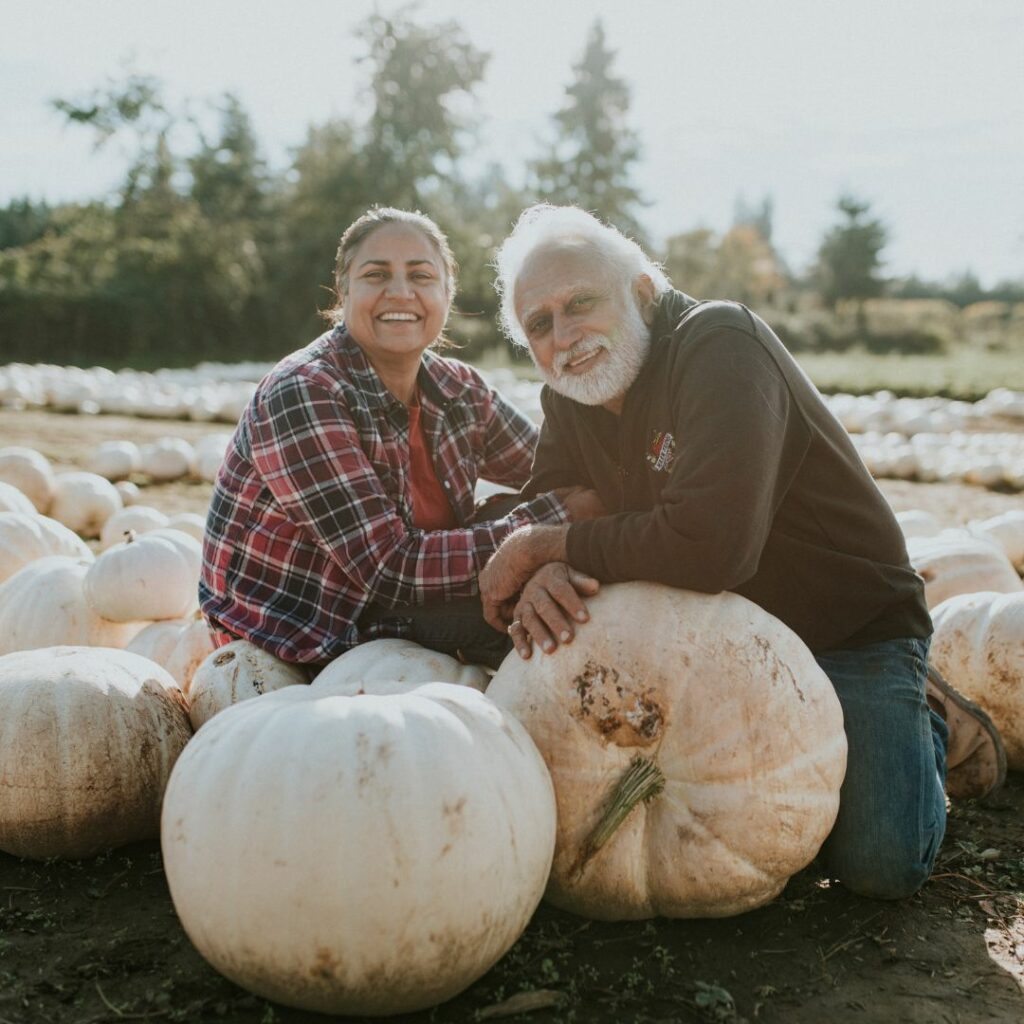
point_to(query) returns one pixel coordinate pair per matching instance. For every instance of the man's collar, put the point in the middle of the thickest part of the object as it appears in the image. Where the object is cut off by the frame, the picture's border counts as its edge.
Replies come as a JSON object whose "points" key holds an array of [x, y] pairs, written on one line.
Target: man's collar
{"points": [[671, 307]]}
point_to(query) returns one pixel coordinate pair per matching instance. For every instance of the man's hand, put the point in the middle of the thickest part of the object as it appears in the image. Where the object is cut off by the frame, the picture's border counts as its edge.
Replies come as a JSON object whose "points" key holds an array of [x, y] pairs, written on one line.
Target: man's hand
{"points": [[520, 555], [551, 601]]}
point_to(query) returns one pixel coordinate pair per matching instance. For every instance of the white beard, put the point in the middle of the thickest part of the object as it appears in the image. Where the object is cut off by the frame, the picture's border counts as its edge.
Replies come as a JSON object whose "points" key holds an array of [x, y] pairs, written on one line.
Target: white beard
{"points": [[626, 350]]}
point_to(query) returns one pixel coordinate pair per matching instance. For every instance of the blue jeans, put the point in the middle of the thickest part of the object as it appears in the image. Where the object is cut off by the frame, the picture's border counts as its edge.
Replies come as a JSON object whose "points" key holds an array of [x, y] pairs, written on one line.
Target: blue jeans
{"points": [[892, 805]]}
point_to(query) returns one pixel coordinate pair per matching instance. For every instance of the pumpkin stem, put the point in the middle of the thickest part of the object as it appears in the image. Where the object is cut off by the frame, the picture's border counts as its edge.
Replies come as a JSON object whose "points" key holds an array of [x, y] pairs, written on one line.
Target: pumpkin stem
{"points": [[642, 780]]}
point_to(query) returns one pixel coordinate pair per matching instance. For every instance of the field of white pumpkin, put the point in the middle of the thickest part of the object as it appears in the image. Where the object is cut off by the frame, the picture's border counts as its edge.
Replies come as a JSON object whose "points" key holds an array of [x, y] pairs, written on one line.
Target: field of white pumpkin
{"points": [[376, 807]]}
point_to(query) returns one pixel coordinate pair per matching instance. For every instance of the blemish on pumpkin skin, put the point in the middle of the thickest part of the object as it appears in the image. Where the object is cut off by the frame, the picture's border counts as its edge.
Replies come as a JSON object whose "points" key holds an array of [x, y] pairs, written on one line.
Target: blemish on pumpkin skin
{"points": [[685, 834], [455, 808], [613, 709], [773, 665], [325, 966]]}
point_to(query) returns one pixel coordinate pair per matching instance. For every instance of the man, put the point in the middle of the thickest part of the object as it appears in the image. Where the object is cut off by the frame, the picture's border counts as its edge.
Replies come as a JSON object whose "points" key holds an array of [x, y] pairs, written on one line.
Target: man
{"points": [[721, 468]]}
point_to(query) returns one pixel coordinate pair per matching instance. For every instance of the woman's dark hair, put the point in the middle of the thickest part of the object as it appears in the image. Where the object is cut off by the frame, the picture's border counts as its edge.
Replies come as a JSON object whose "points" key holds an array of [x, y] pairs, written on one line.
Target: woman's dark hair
{"points": [[359, 230]]}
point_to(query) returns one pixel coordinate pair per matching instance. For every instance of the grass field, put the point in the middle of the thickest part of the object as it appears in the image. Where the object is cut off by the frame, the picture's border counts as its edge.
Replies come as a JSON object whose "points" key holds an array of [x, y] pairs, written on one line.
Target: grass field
{"points": [[963, 373]]}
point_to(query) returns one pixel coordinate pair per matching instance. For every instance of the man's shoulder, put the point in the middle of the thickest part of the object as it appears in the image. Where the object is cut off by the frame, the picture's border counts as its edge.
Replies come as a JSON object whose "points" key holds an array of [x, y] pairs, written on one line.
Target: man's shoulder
{"points": [[713, 314]]}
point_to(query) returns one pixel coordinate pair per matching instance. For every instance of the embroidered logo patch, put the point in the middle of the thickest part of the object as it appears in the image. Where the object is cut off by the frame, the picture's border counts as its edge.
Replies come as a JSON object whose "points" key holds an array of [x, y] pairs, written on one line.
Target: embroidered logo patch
{"points": [[662, 451]]}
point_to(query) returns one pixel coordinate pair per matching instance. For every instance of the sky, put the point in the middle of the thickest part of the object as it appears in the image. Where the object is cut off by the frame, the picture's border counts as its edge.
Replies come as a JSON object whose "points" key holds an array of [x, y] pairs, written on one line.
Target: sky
{"points": [[916, 106]]}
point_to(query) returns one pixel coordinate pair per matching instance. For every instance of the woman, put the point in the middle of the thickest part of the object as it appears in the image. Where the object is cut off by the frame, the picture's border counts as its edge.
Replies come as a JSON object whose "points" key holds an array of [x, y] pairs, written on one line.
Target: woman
{"points": [[344, 508]]}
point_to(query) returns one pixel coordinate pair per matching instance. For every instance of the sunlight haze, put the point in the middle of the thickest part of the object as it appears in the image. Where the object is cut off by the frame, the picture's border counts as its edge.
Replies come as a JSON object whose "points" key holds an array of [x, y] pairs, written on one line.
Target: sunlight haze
{"points": [[916, 107]]}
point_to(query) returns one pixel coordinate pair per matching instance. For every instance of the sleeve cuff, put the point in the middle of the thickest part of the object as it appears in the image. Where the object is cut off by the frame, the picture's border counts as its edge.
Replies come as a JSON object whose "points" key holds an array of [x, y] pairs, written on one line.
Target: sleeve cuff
{"points": [[547, 510]]}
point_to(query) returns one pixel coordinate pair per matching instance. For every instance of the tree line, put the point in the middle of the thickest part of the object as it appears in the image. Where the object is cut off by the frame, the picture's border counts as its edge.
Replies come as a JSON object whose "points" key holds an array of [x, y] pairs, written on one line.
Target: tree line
{"points": [[207, 252]]}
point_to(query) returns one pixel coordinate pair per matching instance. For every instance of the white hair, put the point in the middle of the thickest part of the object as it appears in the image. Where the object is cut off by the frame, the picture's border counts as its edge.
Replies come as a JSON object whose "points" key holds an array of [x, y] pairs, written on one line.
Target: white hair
{"points": [[545, 224]]}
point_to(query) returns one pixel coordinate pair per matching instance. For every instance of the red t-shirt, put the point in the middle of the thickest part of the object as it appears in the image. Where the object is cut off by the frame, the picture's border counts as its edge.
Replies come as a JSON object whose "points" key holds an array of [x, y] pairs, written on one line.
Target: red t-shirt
{"points": [[431, 509]]}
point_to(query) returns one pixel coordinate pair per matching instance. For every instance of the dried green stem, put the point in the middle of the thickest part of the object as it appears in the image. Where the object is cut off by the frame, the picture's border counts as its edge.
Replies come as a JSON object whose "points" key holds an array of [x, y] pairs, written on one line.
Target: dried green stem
{"points": [[640, 781]]}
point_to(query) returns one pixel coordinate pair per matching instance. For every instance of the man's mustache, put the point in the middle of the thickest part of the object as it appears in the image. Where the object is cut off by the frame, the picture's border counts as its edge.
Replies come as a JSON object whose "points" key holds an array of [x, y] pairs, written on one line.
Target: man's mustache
{"points": [[584, 347]]}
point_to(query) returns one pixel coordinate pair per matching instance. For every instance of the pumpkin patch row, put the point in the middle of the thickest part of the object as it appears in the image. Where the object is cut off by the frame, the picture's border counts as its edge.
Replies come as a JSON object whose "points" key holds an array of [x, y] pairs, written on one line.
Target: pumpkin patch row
{"points": [[219, 392], [990, 459]]}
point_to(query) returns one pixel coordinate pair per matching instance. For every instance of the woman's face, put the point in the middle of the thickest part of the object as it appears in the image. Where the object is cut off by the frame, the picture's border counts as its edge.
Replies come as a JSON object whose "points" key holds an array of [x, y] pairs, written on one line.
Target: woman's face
{"points": [[398, 295]]}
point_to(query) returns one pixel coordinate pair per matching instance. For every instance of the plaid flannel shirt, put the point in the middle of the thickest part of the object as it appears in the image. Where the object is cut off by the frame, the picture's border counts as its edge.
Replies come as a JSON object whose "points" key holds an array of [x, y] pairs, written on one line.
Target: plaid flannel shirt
{"points": [[311, 515]]}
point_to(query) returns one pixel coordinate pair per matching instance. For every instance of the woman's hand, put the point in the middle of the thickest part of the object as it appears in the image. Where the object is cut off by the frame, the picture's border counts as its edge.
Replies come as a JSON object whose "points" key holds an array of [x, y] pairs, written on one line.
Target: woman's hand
{"points": [[549, 605]]}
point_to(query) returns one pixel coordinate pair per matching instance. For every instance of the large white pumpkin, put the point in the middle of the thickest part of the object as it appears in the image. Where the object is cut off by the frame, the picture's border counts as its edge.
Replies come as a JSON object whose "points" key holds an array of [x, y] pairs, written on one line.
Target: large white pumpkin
{"points": [[954, 562], [83, 502], [138, 518], [713, 699], [235, 672], [26, 537], [978, 646], [30, 471], [88, 737], [389, 849], [398, 661], [13, 500], [147, 577], [188, 547], [43, 605]]}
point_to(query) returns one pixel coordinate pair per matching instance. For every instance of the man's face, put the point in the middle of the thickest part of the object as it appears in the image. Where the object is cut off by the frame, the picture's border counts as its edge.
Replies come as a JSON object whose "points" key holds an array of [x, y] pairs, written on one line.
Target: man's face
{"points": [[585, 331]]}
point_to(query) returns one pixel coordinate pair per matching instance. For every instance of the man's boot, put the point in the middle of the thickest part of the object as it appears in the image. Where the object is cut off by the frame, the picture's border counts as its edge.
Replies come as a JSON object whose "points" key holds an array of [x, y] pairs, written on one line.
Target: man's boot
{"points": [[975, 755]]}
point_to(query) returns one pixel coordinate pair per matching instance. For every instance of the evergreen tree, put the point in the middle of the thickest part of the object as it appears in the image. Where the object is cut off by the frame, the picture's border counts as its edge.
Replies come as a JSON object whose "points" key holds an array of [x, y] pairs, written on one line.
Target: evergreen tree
{"points": [[755, 215], [230, 179], [23, 221], [849, 258], [420, 74], [590, 162]]}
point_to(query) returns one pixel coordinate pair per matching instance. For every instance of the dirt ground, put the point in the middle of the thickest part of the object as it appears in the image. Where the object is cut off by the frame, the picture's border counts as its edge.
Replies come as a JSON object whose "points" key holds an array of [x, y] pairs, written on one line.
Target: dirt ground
{"points": [[98, 941]]}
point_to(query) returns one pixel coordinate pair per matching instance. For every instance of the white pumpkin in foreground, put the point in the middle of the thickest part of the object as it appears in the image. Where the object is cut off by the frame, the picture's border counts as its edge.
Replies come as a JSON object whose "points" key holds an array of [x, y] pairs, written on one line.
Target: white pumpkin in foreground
{"points": [[188, 547], [398, 661], [13, 500], [954, 562], [83, 502], [27, 537], [714, 701], [145, 577], [235, 672], [88, 737], [30, 471], [978, 645], [393, 847], [44, 605], [138, 518]]}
